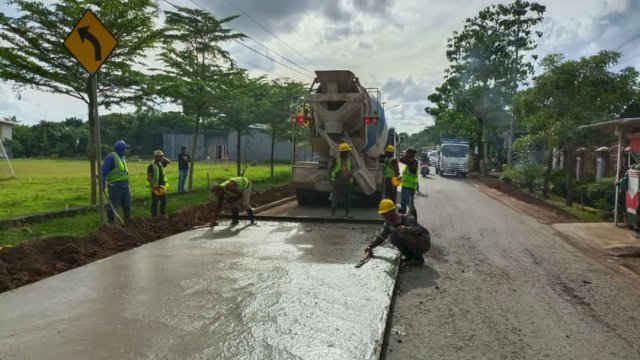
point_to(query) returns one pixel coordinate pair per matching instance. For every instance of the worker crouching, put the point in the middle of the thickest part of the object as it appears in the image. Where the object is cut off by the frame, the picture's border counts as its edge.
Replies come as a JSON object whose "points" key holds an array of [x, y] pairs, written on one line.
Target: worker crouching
{"points": [[404, 232], [237, 192]]}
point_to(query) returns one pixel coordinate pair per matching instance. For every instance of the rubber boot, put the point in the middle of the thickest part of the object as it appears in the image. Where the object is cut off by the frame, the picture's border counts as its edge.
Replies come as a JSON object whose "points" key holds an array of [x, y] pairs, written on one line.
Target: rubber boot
{"points": [[235, 215], [252, 218]]}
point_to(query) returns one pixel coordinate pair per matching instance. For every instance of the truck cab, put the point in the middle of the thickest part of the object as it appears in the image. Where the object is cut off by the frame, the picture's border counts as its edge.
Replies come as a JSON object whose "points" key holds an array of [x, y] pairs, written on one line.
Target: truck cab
{"points": [[453, 157]]}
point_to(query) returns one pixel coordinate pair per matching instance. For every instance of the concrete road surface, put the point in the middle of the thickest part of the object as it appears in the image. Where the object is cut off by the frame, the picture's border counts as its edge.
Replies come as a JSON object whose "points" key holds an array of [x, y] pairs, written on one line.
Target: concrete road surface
{"points": [[500, 285], [272, 291]]}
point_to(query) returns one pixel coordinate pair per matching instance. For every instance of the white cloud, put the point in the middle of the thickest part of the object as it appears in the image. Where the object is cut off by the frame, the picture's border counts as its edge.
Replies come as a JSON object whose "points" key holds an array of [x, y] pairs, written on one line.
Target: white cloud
{"points": [[395, 45]]}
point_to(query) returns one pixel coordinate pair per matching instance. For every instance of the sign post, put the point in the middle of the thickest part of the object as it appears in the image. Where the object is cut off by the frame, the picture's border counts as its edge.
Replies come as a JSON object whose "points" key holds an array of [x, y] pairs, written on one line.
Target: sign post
{"points": [[91, 43]]}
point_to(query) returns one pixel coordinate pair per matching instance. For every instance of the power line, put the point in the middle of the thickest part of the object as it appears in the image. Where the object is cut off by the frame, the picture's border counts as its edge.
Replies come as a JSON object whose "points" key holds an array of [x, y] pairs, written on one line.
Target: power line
{"points": [[627, 42], [264, 46], [271, 33]]}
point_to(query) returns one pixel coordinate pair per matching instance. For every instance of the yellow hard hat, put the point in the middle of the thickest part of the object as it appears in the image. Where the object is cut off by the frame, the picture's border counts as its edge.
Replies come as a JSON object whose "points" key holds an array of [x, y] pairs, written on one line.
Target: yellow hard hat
{"points": [[395, 181], [390, 148], [385, 206], [159, 191], [344, 147]]}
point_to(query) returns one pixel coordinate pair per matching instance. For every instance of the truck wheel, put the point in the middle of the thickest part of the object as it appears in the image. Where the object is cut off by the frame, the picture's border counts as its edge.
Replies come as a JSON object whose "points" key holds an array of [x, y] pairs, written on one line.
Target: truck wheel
{"points": [[463, 174], [305, 197], [371, 200]]}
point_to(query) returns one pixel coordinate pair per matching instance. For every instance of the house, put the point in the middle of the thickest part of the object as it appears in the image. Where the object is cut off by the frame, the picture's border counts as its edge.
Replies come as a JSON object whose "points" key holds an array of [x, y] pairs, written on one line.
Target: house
{"points": [[221, 146], [6, 128]]}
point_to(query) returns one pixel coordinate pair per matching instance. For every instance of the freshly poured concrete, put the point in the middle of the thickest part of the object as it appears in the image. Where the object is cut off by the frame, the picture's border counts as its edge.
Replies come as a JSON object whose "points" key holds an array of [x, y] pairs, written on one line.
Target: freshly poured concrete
{"points": [[272, 291]]}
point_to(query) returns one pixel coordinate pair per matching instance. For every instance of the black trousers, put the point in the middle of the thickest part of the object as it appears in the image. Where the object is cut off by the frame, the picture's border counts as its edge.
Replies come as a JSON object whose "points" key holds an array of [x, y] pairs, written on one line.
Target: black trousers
{"points": [[390, 191], [154, 204]]}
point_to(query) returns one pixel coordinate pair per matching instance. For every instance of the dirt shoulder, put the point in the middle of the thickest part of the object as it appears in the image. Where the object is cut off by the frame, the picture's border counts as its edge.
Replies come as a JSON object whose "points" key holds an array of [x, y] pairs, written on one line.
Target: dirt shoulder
{"points": [[40, 258], [522, 201], [613, 247]]}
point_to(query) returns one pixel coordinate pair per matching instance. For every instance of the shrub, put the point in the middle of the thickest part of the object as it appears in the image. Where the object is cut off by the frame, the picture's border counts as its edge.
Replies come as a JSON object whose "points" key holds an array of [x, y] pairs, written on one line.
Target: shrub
{"points": [[524, 175], [557, 182], [600, 194]]}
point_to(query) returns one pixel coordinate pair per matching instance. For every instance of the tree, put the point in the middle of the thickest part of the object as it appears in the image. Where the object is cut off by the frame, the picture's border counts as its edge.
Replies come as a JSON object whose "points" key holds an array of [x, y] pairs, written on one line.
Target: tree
{"points": [[276, 113], [487, 61], [242, 100], [193, 57], [32, 54], [573, 93]]}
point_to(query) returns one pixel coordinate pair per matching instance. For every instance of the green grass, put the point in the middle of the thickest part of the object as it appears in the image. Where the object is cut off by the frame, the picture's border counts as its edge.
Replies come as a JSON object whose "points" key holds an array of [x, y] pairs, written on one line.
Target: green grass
{"points": [[587, 214], [47, 185]]}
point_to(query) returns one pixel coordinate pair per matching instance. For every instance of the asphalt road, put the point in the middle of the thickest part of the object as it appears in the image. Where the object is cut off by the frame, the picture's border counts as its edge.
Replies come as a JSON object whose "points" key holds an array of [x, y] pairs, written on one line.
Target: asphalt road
{"points": [[500, 285]]}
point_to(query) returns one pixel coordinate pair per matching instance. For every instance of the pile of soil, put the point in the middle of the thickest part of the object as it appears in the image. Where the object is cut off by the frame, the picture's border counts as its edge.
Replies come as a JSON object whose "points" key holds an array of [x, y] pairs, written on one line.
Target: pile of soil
{"points": [[559, 215], [40, 258]]}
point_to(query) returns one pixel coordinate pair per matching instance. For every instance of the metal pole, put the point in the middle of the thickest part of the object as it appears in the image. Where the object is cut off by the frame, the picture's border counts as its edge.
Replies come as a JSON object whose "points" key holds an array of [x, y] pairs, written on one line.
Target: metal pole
{"points": [[94, 109], [619, 163], [13, 174]]}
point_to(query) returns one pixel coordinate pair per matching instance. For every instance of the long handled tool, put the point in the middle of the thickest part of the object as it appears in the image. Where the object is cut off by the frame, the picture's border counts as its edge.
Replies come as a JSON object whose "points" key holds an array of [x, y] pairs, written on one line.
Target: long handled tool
{"points": [[363, 261], [112, 207]]}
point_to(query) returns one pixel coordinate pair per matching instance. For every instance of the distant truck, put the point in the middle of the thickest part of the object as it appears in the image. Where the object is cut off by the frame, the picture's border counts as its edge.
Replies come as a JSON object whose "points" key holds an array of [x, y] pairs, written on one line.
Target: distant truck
{"points": [[453, 157], [338, 109]]}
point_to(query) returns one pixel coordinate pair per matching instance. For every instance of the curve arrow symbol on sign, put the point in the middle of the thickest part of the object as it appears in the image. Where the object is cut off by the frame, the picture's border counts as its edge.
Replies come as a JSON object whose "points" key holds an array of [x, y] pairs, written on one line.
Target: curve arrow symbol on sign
{"points": [[86, 35]]}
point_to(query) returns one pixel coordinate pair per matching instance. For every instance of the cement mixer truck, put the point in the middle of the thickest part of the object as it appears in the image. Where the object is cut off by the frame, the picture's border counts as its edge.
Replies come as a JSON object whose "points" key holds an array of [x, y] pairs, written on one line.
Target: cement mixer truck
{"points": [[339, 109]]}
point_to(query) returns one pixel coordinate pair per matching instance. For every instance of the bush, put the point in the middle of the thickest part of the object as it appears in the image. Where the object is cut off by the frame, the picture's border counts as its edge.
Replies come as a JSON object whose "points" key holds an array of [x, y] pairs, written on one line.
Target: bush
{"points": [[525, 175], [600, 194], [557, 181]]}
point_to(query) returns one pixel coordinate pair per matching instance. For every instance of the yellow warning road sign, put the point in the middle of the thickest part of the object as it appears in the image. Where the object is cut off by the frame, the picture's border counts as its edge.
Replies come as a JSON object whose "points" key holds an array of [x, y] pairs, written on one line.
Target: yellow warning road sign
{"points": [[90, 42]]}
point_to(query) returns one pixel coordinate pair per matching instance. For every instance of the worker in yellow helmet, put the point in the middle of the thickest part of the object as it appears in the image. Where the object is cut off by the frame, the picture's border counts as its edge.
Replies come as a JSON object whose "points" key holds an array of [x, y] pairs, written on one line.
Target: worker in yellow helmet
{"points": [[157, 183], [412, 239], [341, 175], [391, 172]]}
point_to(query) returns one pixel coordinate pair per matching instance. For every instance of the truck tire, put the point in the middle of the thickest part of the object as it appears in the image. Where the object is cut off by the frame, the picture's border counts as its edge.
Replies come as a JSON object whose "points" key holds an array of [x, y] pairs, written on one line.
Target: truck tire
{"points": [[305, 197], [372, 200], [463, 174]]}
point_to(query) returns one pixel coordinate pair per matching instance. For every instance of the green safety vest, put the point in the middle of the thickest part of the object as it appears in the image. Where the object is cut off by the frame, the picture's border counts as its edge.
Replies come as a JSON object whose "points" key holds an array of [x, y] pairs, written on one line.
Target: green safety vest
{"points": [[242, 182], [389, 171], [156, 178], [338, 167], [120, 172], [409, 180]]}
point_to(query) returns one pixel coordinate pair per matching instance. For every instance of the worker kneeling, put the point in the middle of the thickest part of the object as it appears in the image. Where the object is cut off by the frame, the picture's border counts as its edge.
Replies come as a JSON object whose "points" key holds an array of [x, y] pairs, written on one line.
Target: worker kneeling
{"points": [[235, 191], [411, 238]]}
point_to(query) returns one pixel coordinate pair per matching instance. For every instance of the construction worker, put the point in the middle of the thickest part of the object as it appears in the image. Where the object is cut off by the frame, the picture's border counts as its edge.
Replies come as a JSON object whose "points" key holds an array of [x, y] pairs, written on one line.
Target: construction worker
{"points": [[157, 183], [411, 238], [235, 190], [391, 174], [409, 182], [183, 167], [115, 177], [342, 180]]}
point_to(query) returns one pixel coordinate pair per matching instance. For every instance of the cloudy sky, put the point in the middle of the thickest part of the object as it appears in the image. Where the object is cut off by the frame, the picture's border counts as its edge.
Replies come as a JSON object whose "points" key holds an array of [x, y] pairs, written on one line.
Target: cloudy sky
{"points": [[395, 45]]}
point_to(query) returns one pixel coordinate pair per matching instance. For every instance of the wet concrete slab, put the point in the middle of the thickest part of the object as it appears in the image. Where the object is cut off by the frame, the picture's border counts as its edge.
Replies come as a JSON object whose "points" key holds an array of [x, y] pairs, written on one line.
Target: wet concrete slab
{"points": [[272, 291], [293, 209]]}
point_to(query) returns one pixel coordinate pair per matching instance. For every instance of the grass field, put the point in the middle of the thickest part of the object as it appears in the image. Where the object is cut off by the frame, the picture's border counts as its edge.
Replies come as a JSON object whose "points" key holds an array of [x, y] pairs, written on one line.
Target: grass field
{"points": [[47, 185]]}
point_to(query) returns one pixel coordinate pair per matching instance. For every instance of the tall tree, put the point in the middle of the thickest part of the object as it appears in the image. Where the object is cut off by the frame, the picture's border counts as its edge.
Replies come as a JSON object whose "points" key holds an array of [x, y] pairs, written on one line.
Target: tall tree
{"points": [[573, 93], [487, 61], [242, 100], [33, 56], [194, 61], [276, 114]]}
